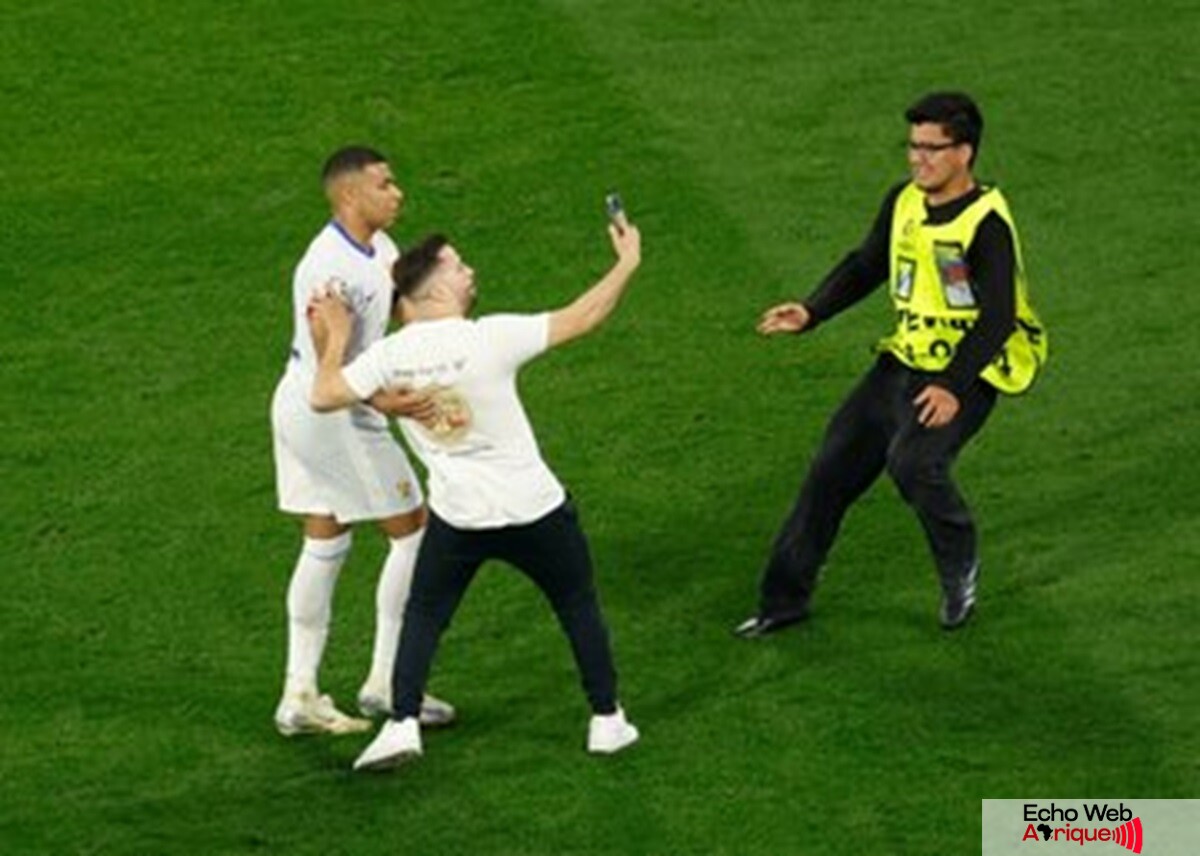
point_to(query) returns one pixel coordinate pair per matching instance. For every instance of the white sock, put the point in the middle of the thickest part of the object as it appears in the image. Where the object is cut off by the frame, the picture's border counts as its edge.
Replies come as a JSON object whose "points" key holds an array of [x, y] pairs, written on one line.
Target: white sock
{"points": [[309, 602], [390, 598]]}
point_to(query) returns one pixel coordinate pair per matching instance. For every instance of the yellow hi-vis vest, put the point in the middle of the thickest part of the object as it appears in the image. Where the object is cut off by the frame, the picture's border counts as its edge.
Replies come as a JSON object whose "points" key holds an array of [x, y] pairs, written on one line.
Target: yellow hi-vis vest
{"points": [[931, 290]]}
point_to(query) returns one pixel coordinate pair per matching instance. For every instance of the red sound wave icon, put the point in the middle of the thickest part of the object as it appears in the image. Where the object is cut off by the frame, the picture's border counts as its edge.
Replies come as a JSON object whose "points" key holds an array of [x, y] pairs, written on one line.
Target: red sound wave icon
{"points": [[1129, 835]]}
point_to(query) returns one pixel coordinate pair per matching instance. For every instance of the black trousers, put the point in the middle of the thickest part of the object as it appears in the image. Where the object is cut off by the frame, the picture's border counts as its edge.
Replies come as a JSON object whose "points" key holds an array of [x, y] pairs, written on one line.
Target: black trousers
{"points": [[876, 428], [552, 551]]}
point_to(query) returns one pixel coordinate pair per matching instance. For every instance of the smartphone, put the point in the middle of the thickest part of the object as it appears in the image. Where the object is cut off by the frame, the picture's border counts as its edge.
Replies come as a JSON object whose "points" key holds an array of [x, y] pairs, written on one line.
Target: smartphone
{"points": [[616, 210]]}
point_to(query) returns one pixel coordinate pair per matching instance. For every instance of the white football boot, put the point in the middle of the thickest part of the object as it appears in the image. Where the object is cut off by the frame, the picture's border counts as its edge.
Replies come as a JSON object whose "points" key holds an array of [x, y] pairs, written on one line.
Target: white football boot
{"points": [[395, 744], [611, 733], [375, 701], [309, 713]]}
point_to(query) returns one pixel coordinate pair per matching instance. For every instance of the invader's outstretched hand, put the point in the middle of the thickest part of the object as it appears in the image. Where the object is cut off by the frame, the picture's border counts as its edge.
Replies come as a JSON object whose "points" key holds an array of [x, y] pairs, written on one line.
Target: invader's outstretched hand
{"points": [[402, 402], [627, 244]]}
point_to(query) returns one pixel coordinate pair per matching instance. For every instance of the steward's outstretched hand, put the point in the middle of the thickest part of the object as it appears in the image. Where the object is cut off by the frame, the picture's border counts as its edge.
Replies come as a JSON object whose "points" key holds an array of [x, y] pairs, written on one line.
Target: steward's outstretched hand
{"points": [[784, 318]]}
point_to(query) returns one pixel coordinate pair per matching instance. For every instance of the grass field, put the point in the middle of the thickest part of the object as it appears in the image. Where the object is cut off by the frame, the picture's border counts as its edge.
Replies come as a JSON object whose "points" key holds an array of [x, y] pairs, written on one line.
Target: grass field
{"points": [[159, 170]]}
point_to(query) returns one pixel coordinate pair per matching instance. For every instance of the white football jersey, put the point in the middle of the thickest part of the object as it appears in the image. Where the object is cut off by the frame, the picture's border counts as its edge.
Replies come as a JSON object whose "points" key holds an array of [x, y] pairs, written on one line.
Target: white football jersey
{"points": [[364, 277]]}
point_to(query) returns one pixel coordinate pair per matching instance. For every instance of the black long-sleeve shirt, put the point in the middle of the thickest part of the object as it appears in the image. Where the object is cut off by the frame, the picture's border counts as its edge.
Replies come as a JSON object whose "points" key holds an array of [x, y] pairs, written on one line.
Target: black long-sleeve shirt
{"points": [[991, 263]]}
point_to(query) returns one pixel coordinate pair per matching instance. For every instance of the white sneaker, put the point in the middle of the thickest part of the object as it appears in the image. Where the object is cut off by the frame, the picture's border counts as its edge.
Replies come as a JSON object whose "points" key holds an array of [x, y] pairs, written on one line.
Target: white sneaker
{"points": [[436, 713], [309, 713], [609, 734], [375, 702], [395, 744]]}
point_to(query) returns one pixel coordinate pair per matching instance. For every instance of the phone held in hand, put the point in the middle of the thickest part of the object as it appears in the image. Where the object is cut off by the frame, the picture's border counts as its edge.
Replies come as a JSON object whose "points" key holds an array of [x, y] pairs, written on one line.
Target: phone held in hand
{"points": [[616, 211]]}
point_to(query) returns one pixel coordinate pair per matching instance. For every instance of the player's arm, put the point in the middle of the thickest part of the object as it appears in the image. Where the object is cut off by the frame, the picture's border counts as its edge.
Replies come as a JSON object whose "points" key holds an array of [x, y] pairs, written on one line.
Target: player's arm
{"points": [[588, 311], [330, 323]]}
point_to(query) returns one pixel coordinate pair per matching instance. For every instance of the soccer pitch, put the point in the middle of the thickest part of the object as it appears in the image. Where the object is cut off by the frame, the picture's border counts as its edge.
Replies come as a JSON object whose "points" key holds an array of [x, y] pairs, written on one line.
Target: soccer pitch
{"points": [[160, 181]]}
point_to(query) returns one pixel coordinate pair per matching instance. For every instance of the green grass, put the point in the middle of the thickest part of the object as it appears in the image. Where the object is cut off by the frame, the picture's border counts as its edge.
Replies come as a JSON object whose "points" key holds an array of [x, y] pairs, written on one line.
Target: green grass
{"points": [[159, 183]]}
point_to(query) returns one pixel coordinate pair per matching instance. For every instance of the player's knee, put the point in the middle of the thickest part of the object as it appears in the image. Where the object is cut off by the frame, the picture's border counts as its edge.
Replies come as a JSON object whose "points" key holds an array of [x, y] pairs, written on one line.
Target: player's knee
{"points": [[323, 528], [403, 525]]}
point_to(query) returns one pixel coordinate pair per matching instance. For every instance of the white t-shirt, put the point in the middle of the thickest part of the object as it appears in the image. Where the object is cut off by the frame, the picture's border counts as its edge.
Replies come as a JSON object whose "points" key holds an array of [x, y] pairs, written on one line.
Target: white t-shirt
{"points": [[485, 469], [366, 276]]}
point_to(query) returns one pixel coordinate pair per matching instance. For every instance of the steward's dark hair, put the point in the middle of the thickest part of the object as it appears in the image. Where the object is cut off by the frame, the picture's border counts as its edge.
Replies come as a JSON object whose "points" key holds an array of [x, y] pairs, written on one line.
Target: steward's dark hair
{"points": [[347, 160], [956, 112], [415, 265]]}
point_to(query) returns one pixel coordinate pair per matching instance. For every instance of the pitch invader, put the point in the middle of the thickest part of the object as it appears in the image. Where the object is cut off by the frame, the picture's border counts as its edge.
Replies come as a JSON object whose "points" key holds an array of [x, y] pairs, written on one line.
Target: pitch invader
{"points": [[492, 496], [337, 469]]}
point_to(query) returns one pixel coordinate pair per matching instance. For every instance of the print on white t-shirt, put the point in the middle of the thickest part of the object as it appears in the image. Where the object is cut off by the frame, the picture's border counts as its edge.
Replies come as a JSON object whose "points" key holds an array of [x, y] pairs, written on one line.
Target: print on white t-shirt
{"points": [[485, 468]]}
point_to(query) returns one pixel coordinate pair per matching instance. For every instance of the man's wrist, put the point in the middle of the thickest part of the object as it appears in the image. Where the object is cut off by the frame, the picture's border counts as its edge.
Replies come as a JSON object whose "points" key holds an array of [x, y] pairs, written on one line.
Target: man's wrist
{"points": [[336, 345], [813, 318], [952, 385]]}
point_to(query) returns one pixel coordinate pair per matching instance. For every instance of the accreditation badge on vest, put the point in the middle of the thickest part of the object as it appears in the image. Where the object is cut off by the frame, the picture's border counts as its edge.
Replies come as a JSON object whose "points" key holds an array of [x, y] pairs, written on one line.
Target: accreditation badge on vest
{"points": [[951, 261], [935, 302]]}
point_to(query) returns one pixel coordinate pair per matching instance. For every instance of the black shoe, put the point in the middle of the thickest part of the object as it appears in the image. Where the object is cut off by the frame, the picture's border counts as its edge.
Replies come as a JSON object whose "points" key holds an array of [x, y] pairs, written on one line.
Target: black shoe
{"points": [[760, 625], [958, 603]]}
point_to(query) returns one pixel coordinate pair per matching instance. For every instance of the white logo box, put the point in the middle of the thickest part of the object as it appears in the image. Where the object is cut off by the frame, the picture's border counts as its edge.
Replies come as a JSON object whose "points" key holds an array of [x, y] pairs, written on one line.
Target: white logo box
{"points": [[1091, 827]]}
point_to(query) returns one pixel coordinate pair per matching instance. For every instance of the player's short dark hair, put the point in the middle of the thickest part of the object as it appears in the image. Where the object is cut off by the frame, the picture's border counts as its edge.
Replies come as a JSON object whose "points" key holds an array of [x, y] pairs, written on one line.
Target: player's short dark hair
{"points": [[415, 265], [347, 160], [956, 112]]}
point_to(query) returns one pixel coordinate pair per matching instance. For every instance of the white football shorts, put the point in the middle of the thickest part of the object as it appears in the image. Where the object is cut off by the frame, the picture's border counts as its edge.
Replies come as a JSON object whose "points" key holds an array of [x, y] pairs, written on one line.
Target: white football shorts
{"points": [[336, 464]]}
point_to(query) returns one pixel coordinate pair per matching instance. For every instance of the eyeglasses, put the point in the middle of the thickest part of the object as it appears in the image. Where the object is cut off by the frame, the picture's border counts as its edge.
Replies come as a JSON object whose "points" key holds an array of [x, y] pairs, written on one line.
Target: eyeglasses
{"points": [[929, 148]]}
